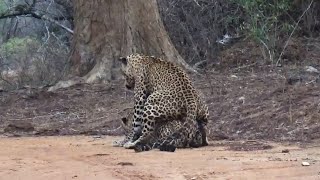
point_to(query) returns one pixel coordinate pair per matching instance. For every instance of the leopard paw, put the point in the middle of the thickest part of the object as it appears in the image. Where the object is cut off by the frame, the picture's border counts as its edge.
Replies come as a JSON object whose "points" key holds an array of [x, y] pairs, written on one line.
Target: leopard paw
{"points": [[129, 145], [138, 147]]}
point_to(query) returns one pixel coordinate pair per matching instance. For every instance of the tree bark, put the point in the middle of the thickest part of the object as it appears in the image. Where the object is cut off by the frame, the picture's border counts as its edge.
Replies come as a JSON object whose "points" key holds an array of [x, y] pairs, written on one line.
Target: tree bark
{"points": [[106, 30]]}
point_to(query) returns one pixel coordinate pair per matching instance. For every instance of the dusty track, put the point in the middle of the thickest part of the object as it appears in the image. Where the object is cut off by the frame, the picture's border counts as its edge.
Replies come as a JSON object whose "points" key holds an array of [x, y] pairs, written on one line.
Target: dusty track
{"points": [[83, 157]]}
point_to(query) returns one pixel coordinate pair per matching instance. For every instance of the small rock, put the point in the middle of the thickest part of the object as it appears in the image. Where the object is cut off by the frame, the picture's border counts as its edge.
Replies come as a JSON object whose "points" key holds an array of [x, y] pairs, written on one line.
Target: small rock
{"points": [[311, 69], [242, 98], [225, 40], [234, 76], [193, 178], [285, 151], [305, 163]]}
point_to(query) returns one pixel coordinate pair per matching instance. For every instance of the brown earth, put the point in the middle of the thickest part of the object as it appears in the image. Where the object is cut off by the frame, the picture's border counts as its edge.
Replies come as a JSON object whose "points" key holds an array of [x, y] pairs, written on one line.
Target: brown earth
{"points": [[83, 157], [247, 98], [247, 101], [260, 104]]}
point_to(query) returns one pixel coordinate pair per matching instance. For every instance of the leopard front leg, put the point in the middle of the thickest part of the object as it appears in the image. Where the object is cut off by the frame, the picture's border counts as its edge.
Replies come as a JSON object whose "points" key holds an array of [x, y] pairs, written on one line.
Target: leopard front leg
{"points": [[140, 98], [148, 119], [156, 108], [151, 144]]}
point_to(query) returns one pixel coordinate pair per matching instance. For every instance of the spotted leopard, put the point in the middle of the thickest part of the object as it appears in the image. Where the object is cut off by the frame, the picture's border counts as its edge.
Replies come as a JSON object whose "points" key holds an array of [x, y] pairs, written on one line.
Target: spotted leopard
{"points": [[163, 131], [162, 91]]}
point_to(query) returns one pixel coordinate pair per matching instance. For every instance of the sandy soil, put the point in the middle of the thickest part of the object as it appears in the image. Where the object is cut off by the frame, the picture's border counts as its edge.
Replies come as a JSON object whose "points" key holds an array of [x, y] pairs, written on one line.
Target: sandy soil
{"points": [[85, 157], [247, 99]]}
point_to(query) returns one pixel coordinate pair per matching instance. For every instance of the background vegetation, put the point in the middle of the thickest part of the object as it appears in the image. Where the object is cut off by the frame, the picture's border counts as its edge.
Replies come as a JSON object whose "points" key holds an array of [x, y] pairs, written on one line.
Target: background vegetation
{"points": [[34, 51]]}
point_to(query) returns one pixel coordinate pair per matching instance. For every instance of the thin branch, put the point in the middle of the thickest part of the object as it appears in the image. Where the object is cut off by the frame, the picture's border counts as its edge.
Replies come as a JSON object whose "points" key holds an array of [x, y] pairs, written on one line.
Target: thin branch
{"points": [[266, 46], [36, 15], [294, 29], [13, 14], [29, 11]]}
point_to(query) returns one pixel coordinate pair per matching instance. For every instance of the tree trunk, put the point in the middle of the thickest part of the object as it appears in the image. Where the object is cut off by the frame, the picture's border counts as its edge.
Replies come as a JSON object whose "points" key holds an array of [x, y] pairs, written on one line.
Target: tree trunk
{"points": [[106, 30]]}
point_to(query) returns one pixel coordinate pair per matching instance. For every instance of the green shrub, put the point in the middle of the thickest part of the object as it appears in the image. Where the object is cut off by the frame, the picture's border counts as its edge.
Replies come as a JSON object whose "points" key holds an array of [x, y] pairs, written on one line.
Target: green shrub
{"points": [[267, 22], [34, 62], [16, 47]]}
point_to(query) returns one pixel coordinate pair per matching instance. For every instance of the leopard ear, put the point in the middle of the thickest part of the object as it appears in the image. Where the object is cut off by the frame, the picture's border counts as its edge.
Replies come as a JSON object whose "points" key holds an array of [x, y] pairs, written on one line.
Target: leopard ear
{"points": [[124, 120], [123, 60]]}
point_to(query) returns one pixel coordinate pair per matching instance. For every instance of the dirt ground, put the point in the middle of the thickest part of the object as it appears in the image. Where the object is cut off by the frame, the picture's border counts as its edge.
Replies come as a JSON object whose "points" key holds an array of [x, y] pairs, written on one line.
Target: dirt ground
{"points": [[247, 99], [255, 110], [243, 105], [85, 157]]}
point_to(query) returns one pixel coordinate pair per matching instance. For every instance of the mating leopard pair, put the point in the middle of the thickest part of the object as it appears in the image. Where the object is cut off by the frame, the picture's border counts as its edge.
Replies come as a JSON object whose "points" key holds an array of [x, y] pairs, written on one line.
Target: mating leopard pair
{"points": [[163, 97], [164, 136]]}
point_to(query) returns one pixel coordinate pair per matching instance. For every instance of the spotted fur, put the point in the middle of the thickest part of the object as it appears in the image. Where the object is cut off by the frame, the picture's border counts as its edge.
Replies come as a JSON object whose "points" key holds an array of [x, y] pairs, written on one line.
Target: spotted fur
{"points": [[162, 91], [164, 130]]}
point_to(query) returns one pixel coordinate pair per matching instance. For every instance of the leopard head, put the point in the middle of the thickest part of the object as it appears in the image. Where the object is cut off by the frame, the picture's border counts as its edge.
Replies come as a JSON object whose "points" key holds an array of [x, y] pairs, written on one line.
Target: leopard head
{"points": [[128, 72]]}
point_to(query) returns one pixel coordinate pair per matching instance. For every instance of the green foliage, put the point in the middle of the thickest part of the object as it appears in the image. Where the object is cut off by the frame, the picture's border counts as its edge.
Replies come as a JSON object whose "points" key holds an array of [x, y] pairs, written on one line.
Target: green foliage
{"points": [[3, 6], [18, 46], [35, 63], [267, 22]]}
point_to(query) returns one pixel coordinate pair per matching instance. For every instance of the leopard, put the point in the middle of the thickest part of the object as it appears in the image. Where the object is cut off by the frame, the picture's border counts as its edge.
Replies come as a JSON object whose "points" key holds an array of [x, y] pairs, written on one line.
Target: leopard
{"points": [[162, 90], [163, 130]]}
